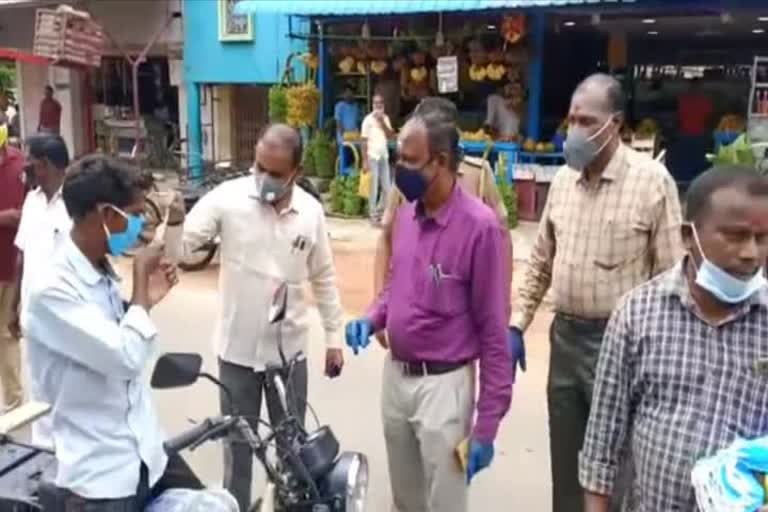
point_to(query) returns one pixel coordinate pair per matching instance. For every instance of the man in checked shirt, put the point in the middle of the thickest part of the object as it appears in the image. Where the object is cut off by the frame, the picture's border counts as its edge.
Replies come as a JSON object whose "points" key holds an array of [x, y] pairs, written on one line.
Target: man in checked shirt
{"points": [[612, 221], [683, 370]]}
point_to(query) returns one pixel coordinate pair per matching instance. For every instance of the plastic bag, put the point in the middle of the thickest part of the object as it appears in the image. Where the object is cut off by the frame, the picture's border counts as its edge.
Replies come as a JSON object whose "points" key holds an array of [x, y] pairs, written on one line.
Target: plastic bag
{"points": [[728, 480], [364, 188], [187, 500]]}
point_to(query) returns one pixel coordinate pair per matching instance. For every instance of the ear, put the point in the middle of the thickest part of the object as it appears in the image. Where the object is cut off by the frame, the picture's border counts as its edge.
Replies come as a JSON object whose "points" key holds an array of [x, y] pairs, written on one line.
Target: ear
{"points": [[686, 232]]}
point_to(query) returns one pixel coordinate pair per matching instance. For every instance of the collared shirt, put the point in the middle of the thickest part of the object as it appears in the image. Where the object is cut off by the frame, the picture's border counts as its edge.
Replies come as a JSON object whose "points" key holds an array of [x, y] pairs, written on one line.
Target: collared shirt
{"points": [[376, 142], [347, 115], [11, 198], [475, 177], [444, 300], [501, 117], [44, 227], [595, 243], [673, 388], [89, 355], [260, 249]]}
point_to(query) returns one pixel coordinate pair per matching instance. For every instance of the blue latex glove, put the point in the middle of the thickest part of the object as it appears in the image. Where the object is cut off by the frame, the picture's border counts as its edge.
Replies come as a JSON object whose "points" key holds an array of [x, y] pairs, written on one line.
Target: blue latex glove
{"points": [[358, 334], [517, 348], [480, 457]]}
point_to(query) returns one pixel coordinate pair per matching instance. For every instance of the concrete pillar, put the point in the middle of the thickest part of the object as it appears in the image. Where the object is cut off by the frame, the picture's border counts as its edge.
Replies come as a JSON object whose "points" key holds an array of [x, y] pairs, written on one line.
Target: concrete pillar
{"points": [[194, 130]]}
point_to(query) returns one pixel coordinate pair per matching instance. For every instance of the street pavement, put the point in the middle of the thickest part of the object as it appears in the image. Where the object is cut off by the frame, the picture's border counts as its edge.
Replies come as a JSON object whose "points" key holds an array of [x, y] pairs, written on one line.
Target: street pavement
{"points": [[519, 478]]}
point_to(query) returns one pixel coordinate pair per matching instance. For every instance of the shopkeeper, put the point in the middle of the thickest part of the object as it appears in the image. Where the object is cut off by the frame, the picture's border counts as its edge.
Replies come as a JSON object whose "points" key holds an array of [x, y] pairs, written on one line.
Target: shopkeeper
{"points": [[347, 115], [503, 108]]}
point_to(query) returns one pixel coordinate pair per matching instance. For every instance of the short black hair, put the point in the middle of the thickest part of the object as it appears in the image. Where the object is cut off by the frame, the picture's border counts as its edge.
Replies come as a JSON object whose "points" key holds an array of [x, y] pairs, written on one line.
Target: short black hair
{"points": [[700, 192], [290, 136], [98, 179], [48, 88], [614, 93], [51, 147]]}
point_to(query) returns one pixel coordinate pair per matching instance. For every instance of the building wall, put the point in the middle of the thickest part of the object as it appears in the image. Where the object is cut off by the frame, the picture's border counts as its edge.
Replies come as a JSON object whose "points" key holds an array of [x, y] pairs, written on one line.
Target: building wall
{"points": [[206, 59]]}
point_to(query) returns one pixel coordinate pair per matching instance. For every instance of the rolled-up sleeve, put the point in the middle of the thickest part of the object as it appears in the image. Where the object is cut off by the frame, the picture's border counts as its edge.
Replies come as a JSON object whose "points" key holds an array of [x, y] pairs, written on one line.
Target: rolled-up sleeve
{"points": [[610, 413], [203, 222], [490, 313], [80, 331]]}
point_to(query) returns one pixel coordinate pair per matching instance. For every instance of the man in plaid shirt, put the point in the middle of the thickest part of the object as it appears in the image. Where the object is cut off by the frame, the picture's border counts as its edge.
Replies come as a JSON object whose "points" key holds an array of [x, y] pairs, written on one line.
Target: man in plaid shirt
{"points": [[683, 370]]}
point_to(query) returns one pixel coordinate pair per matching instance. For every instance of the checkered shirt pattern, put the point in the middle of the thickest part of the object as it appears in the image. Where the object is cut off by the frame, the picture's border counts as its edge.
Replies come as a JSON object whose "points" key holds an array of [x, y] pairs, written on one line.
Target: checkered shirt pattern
{"points": [[673, 388], [597, 242]]}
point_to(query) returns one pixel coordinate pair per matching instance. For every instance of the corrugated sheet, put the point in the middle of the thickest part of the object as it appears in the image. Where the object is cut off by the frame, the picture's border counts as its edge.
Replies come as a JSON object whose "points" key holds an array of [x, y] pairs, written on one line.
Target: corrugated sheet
{"points": [[350, 7]]}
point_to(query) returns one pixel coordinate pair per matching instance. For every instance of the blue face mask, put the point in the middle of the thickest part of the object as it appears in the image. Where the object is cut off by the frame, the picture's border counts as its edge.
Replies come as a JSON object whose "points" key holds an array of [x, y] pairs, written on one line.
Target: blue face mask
{"points": [[411, 182], [722, 285], [119, 243]]}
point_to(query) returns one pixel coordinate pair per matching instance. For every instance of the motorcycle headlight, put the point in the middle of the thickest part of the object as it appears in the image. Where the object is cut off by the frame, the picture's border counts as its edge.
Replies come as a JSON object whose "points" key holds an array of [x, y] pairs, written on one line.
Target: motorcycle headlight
{"points": [[349, 481]]}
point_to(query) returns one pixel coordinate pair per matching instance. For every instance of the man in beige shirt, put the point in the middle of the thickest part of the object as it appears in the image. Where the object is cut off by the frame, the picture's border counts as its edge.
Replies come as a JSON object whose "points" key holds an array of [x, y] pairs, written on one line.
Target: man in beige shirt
{"points": [[611, 222]]}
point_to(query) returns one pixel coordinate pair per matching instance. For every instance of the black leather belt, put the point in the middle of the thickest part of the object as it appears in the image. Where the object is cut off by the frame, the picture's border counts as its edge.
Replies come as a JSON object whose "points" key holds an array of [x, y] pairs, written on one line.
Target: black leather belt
{"points": [[423, 369]]}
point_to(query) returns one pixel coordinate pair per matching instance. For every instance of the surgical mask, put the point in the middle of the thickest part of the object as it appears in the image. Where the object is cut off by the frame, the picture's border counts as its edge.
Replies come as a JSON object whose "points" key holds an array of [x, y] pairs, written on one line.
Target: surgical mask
{"points": [[119, 243], [411, 182], [722, 285], [271, 189], [580, 149]]}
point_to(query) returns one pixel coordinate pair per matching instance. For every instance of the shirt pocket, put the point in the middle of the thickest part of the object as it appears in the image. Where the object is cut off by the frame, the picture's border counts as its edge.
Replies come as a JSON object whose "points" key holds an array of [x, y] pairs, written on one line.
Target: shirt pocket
{"points": [[445, 296], [623, 240]]}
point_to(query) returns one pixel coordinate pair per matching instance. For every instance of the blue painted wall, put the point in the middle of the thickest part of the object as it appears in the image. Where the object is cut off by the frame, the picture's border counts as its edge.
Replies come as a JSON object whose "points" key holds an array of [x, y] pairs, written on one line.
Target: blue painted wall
{"points": [[208, 60]]}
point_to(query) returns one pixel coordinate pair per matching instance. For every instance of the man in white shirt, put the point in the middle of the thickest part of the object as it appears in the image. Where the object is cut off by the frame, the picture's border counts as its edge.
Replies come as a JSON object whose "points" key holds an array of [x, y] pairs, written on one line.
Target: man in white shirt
{"points": [[375, 133], [89, 348], [503, 111], [44, 226], [271, 232]]}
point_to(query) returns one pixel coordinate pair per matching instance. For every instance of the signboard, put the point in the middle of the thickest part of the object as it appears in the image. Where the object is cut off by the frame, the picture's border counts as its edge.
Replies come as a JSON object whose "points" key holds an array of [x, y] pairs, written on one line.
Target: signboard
{"points": [[447, 74]]}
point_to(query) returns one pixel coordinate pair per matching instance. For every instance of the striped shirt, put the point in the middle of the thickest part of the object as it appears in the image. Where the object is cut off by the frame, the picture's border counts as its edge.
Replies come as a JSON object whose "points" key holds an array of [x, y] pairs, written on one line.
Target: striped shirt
{"points": [[597, 242], [673, 388]]}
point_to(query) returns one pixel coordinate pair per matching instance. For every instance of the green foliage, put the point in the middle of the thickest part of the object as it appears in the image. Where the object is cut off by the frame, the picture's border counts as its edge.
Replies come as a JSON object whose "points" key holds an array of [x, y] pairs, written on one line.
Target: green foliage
{"points": [[278, 104], [344, 196], [509, 196], [7, 80], [323, 154], [739, 152]]}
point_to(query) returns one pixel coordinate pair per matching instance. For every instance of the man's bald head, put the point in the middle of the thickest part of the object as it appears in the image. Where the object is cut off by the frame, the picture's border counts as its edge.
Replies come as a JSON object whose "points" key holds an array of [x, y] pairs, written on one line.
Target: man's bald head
{"points": [[281, 136], [603, 90]]}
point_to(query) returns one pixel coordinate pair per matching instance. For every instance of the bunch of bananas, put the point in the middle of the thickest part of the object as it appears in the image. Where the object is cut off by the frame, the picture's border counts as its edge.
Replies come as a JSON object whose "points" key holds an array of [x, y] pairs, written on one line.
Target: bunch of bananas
{"points": [[346, 64], [351, 136], [477, 73], [379, 66], [310, 60], [731, 123], [303, 104], [478, 136], [495, 72], [419, 74]]}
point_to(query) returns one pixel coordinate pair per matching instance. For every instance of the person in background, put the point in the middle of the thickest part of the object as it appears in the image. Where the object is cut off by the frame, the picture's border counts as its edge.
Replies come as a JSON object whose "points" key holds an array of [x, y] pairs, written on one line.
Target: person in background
{"points": [[444, 308], [89, 349], [475, 177], [502, 115], [43, 230], [50, 113], [11, 199], [375, 134], [272, 233], [389, 89], [694, 111], [347, 114], [611, 222], [682, 368]]}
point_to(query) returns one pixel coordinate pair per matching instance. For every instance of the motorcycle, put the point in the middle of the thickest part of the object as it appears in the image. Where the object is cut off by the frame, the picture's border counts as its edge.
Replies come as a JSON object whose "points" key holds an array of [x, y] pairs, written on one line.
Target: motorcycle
{"points": [[310, 473]]}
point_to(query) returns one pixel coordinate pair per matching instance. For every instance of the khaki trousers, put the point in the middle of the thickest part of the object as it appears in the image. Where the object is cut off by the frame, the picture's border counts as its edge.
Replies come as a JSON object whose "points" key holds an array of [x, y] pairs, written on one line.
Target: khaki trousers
{"points": [[425, 418], [10, 355]]}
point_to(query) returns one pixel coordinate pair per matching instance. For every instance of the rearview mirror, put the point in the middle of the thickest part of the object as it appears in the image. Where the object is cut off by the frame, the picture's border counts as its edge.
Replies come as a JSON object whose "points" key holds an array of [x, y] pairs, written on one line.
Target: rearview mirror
{"points": [[279, 304], [175, 370]]}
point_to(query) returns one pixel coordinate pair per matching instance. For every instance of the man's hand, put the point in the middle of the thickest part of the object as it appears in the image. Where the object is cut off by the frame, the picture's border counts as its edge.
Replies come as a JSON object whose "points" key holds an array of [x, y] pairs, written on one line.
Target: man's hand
{"points": [[10, 217], [334, 362], [517, 348], [14, 324], [162, 280], [153, 276], [480, 457], [381, 337], [358, 334]]}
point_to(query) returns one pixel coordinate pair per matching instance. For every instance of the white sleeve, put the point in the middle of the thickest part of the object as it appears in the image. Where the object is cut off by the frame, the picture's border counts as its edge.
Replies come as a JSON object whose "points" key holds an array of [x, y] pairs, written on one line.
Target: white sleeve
{"points": [[203, 223], [21, 232], [365, 131], [80, 331], [322, 276]]}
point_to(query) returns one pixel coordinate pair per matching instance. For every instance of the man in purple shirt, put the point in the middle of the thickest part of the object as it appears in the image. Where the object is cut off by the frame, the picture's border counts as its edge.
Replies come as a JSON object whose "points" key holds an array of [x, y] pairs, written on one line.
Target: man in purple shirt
{"points": [[446, 305]]}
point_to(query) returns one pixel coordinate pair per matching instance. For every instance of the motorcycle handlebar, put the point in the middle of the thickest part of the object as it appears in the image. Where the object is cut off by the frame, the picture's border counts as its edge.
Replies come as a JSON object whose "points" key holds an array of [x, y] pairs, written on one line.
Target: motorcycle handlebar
{"points": [[188, 438]]}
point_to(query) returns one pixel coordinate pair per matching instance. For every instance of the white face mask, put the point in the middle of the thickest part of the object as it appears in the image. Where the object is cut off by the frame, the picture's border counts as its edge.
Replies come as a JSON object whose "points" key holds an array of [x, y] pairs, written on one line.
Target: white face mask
{"points": [[722, 285]]}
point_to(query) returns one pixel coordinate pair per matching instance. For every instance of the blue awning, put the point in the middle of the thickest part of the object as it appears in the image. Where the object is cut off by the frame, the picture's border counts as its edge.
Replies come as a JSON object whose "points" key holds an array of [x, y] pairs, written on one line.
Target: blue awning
{"points": [[356, 7]]}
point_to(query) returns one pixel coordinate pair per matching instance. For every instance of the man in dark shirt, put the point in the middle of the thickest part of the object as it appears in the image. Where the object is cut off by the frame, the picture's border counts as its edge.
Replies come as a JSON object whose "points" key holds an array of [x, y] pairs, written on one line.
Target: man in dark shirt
{"points": [[11, 199], [50, 113]]}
